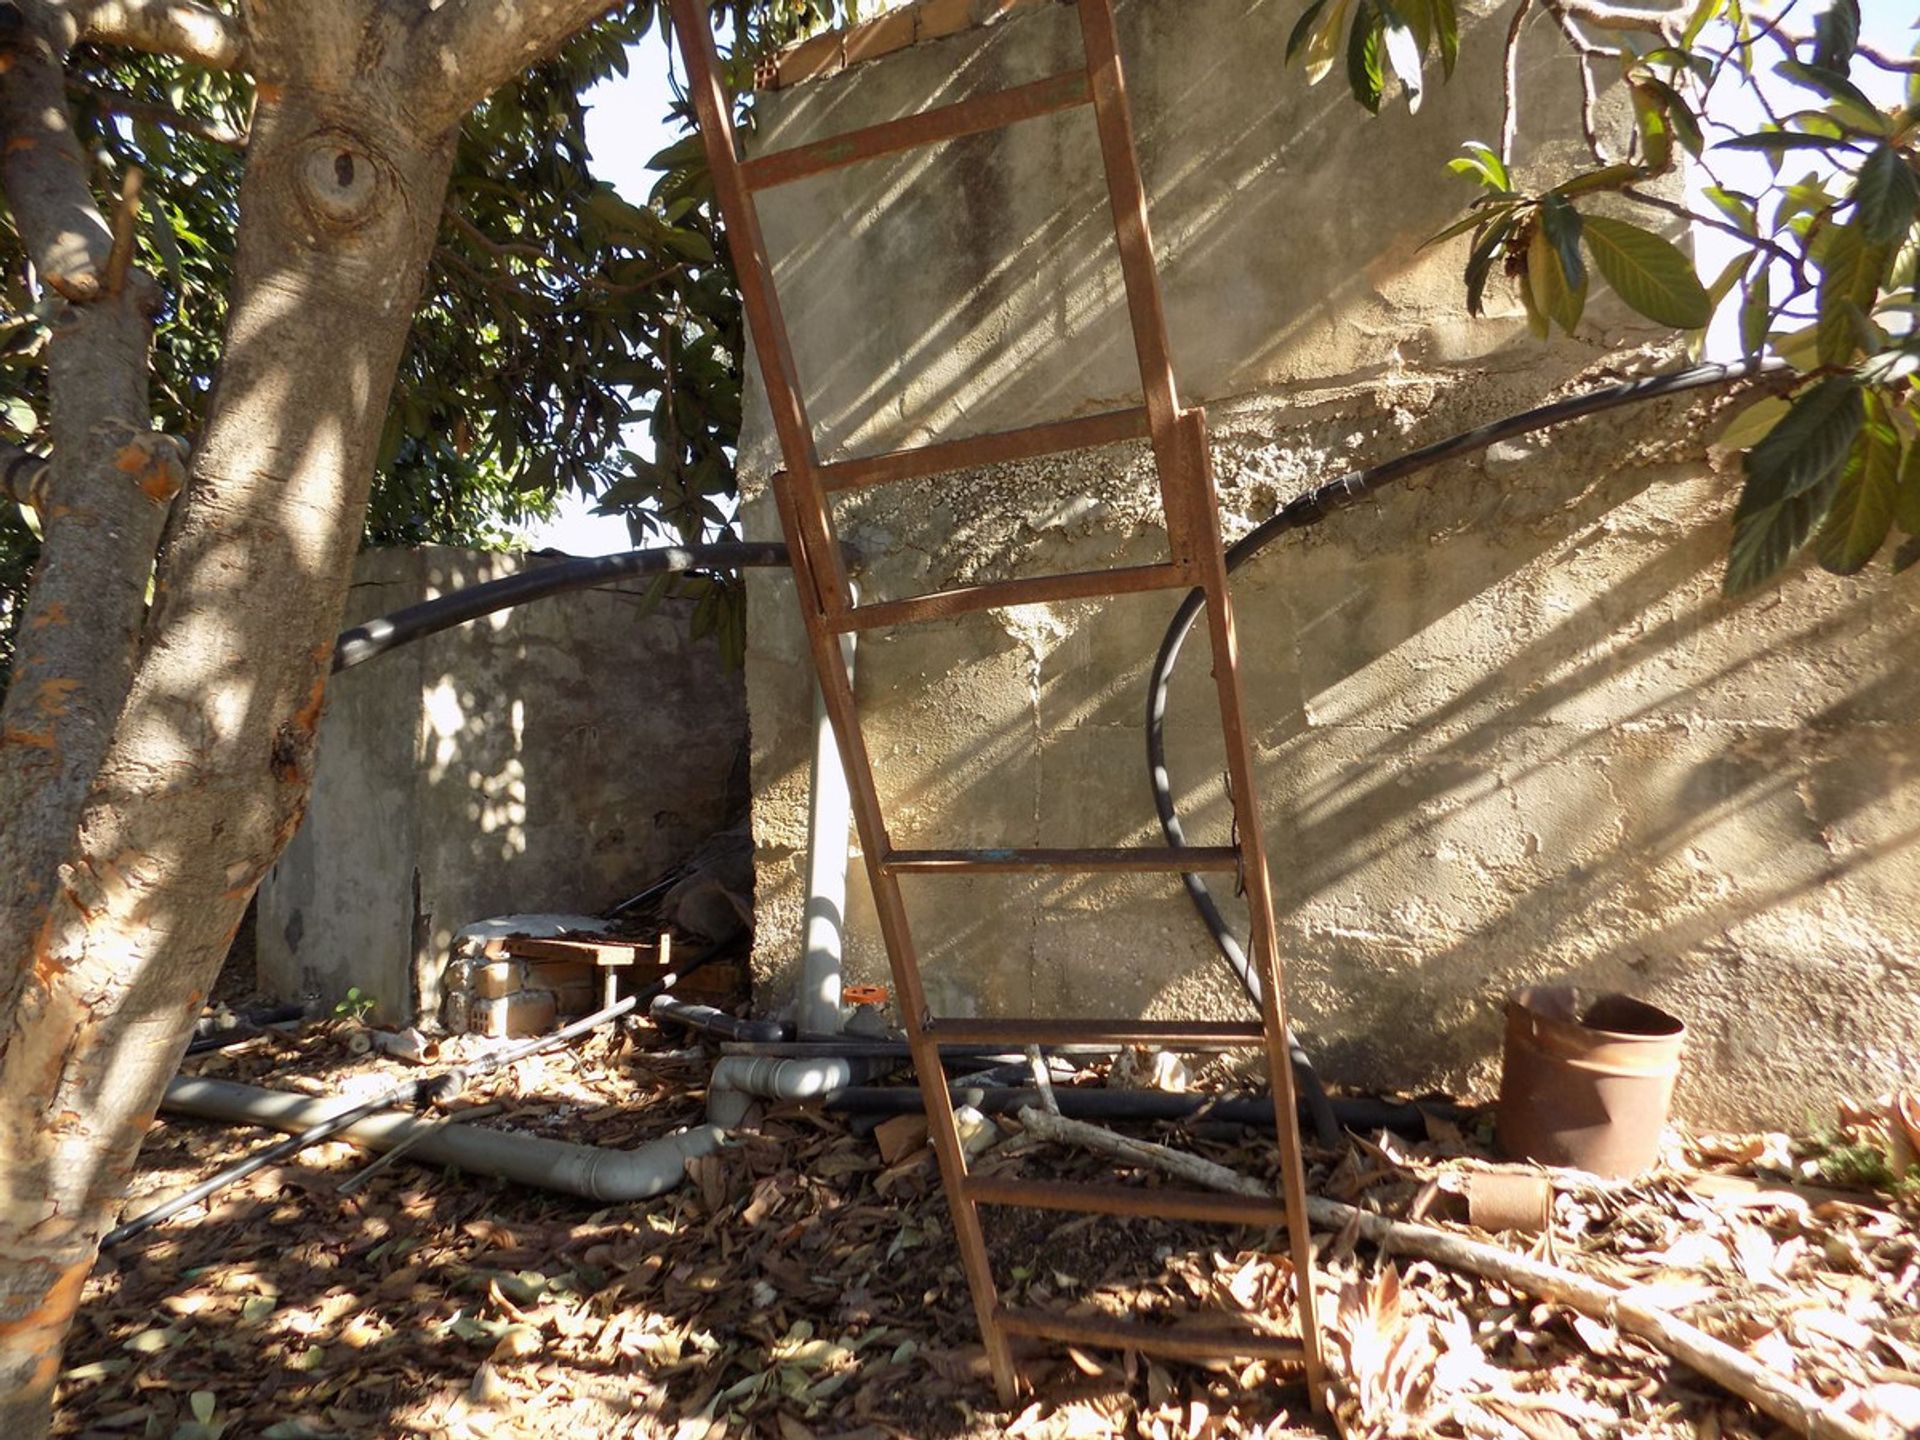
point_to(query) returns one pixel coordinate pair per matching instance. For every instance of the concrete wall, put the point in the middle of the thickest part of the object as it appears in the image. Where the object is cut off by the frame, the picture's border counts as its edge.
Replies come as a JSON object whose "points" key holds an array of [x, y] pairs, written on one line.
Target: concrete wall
{"points": [[1507, 730], [556, 757]]}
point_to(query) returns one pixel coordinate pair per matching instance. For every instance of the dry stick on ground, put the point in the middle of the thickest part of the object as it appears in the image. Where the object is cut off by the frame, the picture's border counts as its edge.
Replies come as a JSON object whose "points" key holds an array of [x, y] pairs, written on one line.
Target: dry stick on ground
{"points": [[1791, 1404]]}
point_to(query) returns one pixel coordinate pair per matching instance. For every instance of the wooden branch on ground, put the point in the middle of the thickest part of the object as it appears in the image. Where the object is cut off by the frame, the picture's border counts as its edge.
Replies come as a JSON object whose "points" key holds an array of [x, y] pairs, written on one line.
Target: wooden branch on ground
{"points": [[1767, 1390]]}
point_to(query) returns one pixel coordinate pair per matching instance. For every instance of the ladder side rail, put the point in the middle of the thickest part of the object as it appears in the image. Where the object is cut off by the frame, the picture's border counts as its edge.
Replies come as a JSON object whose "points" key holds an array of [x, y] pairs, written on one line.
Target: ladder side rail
{"points": [[692, 25], [1259, 889], [760, 299], [1146, 310]]}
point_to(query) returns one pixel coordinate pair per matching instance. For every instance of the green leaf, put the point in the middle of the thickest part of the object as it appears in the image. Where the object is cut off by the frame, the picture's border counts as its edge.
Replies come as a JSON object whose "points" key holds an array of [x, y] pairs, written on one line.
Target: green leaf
{"points": [[1756, 314], [1552, 293], [1850, 271], [1318, 51], [1906, 499], [1446, 30], [1364, 75], [1806, 448], [1403, 52], [1483, 161], [1836, 34], [1608, 177], [1752, 425], [1303, 29], [1650, 120], [1735, 205], [1704, 11], [1647, 272], [1561, 222], [1765, 537], [1850, 103], [1778, 142], [1885, 196], [1480, 261], [1861, 513]]}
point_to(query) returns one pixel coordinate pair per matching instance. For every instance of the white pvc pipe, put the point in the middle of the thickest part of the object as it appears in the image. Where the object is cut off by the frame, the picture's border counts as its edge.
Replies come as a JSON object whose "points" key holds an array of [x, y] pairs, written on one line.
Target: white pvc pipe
{"points": [[738, 1079], [823, 924], [587, 1171]]}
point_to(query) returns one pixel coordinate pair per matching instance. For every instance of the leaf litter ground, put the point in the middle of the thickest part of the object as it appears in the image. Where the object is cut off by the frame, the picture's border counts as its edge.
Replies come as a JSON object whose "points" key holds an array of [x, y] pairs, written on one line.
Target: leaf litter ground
{"points": [[801, 1286]]}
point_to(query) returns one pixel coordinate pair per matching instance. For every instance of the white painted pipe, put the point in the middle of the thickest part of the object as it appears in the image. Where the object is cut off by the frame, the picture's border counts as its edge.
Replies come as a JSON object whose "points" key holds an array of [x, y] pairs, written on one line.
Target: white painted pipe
{"points": [[823, 924], [737, 1080], [588, 1171]]}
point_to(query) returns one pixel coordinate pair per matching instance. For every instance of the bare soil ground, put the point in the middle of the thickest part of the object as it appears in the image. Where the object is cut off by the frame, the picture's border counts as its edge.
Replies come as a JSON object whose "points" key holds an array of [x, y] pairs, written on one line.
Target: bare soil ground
{"points": [[801, 1287]]}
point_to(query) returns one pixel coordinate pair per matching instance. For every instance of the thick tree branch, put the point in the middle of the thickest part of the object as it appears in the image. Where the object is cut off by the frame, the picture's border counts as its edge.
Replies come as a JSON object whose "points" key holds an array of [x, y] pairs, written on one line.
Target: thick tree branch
{"points": [[148, 113], [184, 29], [42, 167], [23, 476], [467, 49]]}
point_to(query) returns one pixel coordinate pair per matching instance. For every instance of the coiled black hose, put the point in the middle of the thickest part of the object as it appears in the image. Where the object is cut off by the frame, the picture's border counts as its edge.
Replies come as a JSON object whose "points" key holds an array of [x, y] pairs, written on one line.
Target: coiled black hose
{"points": [[1309, 509]]}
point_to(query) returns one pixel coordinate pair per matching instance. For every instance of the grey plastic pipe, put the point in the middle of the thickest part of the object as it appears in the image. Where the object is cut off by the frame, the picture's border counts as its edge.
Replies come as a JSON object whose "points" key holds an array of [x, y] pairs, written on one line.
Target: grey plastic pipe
{"points": [[829, 814], [588, 1171], [738, 1080]]}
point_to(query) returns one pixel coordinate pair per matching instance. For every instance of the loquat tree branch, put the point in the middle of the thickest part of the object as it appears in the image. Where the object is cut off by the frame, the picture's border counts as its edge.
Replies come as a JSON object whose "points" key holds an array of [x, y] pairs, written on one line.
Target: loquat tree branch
{"points": [[467, 49], [43, 169], [185, 29], [149, 113]]}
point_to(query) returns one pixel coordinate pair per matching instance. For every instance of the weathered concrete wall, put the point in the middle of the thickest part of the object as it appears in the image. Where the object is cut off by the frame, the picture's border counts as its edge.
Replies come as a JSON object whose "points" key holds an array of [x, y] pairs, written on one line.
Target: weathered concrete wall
{"points": [[554, 757], [1508, 731]]}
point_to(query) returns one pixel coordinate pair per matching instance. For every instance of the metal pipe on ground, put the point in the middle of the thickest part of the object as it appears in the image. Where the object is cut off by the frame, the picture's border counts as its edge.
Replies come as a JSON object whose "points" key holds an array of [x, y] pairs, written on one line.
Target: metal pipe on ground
{"points": [[588, 1171]]}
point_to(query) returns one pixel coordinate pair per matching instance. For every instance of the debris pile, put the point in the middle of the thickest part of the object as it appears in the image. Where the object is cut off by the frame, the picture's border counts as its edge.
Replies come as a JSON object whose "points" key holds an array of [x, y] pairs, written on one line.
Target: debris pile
{"points": [[804, 1284]]}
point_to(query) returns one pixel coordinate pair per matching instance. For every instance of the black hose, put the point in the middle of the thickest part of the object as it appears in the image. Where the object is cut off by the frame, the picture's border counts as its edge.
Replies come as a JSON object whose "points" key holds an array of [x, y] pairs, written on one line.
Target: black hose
{"points": [[376, 637], [1091, 1104], [1316, 505], [708, 1021], [417, 1092]]}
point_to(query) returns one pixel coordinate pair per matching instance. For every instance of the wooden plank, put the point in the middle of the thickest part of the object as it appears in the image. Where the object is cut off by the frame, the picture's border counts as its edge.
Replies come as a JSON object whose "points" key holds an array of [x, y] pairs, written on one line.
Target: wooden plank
{"points": [[1182, 1342], [1085, 433], [1039, 590], [992, 111], [1158, 1203], [593, 952], [965, 1030], [1128, 859]]}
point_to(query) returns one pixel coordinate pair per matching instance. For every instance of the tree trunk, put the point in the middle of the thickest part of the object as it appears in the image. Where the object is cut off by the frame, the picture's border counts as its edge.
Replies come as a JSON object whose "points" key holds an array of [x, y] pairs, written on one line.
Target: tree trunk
{"points": [[107, 491], [208, 771]]}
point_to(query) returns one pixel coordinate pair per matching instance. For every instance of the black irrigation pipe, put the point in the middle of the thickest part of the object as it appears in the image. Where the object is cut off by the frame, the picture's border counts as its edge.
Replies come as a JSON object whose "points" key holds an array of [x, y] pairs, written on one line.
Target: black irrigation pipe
{"points": [[1317, 505], [375, 637], [421, 1092]]}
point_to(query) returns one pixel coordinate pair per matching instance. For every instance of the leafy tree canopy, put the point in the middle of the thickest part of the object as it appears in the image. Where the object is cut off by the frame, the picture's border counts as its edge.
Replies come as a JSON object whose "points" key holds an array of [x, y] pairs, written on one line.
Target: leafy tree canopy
{"points": [[557, 314]]}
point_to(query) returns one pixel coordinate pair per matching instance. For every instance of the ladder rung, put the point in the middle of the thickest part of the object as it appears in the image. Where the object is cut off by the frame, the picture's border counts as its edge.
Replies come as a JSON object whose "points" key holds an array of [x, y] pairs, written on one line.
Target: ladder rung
{"points": [[962, 1030], [1157, 859], [1108, 428], [1200, 1205], [930, 127], [1040, 590], [1179, 1342]]}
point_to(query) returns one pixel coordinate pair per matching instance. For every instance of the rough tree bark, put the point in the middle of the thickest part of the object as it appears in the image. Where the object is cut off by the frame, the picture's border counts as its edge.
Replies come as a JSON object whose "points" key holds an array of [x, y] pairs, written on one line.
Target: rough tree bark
{"points": [[207, 767]]}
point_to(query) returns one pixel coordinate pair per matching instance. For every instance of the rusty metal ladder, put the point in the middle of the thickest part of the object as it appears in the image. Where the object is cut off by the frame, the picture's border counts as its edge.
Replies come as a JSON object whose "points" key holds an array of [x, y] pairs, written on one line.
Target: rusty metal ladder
{"points": [[1179, 440]]}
